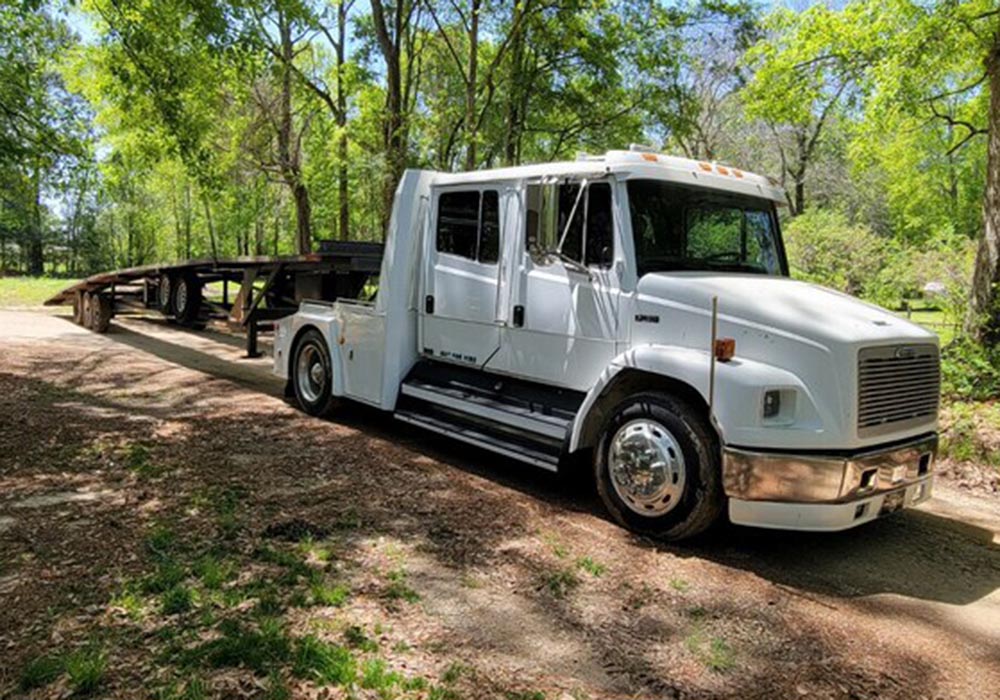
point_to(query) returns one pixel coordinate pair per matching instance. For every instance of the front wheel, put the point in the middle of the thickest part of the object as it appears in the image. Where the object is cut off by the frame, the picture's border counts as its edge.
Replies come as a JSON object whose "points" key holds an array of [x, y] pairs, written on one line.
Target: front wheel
{"points": [[312, 375], [657, 467]]}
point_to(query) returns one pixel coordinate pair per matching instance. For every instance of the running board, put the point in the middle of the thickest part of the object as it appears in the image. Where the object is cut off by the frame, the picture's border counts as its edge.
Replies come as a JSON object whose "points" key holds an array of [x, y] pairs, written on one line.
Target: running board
{"points": [[472, 436]]}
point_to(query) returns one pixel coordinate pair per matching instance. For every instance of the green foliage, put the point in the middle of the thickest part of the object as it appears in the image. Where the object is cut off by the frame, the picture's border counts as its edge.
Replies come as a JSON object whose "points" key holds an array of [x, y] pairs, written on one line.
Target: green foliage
{"points": [[241, 646], [561, 582], [970, 371], [825, 248], [176, 600], [594, 568], [398, 588]]}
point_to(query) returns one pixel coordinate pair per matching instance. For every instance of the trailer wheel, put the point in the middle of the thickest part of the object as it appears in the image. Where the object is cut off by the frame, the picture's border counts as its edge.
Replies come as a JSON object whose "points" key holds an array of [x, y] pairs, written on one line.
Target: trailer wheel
{"points": [[100, 312], [164, 294], [87, 313], [78, 308], [312, 375], [187, 301], [657, 467]]}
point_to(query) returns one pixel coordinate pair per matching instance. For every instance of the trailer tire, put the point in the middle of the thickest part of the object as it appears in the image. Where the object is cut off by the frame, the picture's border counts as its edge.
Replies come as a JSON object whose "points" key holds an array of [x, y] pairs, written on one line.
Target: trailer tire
{"points": [[78, 308], [165, 294], [100, 312], [187, 301], [311, 372], [657, 467], [87, 314]]}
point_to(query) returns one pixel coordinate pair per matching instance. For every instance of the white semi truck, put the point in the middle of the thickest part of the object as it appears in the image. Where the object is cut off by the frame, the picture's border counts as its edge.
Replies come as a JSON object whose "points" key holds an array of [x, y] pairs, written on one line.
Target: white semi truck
{"points": [[632, 311]]}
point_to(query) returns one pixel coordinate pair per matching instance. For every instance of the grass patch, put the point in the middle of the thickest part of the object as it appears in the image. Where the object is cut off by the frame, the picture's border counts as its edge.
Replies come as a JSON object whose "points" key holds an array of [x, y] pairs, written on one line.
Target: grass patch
{"points": [[714, 653], [168, 574], [561, 582], [160, 542], [323, 663], [453, 673], [137, 460], [85, 669], [679, 585], [524, 695], [213, 572], [356, 638], [398, 589], [259, 650], [29, 292], [375, 675], [177, 600], [592, 567], [40, 672], [326, 595]]}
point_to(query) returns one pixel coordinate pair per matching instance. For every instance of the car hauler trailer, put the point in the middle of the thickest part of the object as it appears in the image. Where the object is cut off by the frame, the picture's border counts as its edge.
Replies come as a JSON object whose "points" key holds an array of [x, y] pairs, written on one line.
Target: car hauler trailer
{"points": [[269, 287], [632, 312]]}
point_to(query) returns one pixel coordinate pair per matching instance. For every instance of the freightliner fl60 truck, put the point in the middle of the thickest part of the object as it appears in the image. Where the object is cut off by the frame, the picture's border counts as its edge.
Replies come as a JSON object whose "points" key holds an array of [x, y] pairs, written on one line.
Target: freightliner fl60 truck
{"points": [[632, 312]]}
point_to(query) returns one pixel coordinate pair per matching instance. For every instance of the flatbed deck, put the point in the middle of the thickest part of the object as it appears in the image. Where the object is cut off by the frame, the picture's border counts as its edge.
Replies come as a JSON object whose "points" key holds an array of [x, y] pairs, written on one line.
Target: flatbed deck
{"points": [[338, 269]]}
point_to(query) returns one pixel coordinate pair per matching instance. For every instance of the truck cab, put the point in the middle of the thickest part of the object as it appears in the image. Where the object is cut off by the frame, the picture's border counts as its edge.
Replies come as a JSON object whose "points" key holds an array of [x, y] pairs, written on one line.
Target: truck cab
{"points": [[633, 313]]}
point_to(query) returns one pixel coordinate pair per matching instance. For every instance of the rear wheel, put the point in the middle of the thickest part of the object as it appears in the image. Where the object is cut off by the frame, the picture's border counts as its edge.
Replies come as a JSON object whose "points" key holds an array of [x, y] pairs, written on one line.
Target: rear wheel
{"points": [[312, 375], [187, 301], [87, 313], [164, 294], [657, 467], [100, 312]]}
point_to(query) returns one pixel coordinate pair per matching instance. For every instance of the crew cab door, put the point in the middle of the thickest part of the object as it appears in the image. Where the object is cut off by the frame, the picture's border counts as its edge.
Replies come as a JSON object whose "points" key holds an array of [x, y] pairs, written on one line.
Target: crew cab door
{"points": [[461, 280], [563, 321]]}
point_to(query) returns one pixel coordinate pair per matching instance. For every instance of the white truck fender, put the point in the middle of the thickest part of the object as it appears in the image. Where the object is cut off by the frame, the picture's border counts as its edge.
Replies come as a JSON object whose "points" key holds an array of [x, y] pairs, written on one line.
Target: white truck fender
{"points": [[325, 319], [739, 385]]}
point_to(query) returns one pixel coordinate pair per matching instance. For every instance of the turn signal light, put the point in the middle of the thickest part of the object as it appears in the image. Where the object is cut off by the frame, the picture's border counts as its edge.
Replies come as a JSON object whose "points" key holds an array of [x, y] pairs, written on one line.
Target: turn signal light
{"points": [[725, 349]]}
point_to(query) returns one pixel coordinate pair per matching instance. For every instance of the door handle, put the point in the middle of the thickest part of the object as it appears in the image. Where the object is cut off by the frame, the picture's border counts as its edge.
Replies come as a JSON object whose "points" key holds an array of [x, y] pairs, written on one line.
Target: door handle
{"points": [[429, 304], [518, 316]]}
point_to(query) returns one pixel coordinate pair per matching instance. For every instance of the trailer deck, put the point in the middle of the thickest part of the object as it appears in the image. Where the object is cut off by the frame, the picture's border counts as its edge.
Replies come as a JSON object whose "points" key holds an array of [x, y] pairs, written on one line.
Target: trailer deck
{"points": [[176, 290]]}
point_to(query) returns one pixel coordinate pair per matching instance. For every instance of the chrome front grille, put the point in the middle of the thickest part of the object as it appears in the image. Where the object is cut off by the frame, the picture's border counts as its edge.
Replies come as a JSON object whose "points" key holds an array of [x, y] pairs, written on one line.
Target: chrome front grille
{"points": [[899, 386]]}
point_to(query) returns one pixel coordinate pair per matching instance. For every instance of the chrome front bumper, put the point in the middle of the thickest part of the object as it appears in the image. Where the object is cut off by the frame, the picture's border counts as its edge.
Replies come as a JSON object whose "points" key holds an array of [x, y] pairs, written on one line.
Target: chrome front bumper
{"points": [[816, 492]]}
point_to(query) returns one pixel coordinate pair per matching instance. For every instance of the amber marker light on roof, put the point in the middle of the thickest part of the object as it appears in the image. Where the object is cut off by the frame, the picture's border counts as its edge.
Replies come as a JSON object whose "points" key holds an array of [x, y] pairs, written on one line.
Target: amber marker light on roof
{"points": [[651, 157], [723, 170], [737, 173], [707, 167]]}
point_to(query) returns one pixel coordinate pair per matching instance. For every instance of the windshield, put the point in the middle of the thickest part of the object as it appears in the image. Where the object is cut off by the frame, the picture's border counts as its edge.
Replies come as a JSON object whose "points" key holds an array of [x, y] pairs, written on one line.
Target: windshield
{"points": [[685, 228]]}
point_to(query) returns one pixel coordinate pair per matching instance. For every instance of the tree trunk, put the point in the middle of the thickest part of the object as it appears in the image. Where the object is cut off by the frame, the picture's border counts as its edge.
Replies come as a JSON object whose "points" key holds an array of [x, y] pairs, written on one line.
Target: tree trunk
{"points": [[395, 144], [983, 320], [36, 251], [470, 88], [288, 154], [343, 205]]}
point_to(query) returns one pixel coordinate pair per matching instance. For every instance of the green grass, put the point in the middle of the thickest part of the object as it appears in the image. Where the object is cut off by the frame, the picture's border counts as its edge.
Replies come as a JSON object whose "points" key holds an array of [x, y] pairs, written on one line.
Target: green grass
{"points": [[176, 600], [561, 582], [40, 672], [398, 589], [594, 568], [29, 292], [714, 653], [322, 662], [85, 669]]}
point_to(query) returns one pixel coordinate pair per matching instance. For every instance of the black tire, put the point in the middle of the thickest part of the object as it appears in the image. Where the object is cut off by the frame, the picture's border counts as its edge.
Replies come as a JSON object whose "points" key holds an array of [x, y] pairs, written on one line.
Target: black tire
{"points": [[87, 313], [100, 313], [700, 500], [165, 294], [78, 308], [186, 300], [313, 394]]}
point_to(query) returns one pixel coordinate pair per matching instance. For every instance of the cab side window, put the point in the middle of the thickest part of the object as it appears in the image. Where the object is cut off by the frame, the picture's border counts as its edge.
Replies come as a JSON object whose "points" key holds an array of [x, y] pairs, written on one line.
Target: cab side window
{"points": [[587, 237], [468, 225]]}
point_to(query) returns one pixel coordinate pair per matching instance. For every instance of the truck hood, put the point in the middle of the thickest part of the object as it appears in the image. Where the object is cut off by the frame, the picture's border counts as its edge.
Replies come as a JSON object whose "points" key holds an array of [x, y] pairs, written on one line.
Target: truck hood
{"points": [[781, 306]]}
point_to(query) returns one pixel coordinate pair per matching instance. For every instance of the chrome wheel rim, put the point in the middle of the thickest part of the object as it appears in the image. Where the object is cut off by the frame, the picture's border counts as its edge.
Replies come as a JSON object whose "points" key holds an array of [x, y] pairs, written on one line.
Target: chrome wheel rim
{"points": [[646, 466], [181, 297], [311, 373]]}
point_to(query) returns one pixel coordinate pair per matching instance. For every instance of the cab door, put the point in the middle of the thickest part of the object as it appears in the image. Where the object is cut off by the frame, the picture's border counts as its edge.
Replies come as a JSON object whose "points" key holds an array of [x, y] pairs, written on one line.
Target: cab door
{"points": [[562, 326], [461, 280]]}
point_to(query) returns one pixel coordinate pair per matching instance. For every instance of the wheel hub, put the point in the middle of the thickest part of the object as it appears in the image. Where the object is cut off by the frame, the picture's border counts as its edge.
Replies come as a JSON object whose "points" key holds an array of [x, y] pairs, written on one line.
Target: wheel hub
{"points": [[647, 468], [311, 373]]}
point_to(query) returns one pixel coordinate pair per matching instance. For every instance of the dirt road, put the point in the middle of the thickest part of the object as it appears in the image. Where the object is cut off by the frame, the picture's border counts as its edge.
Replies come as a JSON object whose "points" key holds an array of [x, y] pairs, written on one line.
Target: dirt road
{"points": [[167, 516]]}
